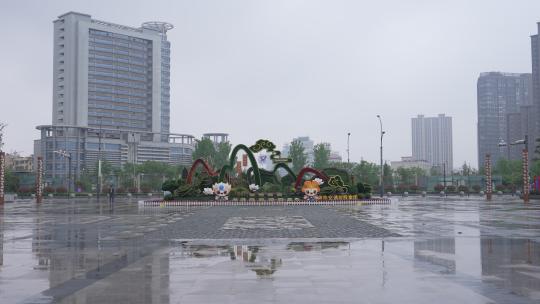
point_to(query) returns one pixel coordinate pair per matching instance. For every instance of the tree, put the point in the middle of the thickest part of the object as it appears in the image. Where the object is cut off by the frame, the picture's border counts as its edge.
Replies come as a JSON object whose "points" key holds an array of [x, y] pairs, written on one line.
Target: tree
{"points": [[510, 171], [11, 181], [366, 172], [205, 149], [222, 154], [466, 169], [298, 156], [388, 176], [153, 173], [535, 168], [405, 175], [321, 156]]}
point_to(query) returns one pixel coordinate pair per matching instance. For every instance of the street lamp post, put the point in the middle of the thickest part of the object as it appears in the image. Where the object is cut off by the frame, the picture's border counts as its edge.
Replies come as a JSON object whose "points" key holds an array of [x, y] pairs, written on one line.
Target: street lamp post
{"points": [[444, 176], [525, 163], [98, 169], [67, 155], [381, 180], [348, 137]]}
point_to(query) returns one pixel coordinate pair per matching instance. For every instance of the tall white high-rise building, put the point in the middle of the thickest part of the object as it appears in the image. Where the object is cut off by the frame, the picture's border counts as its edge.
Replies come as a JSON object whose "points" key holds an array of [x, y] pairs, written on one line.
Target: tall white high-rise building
{"points": [[111, 75], [432, 140], [111, 97]]}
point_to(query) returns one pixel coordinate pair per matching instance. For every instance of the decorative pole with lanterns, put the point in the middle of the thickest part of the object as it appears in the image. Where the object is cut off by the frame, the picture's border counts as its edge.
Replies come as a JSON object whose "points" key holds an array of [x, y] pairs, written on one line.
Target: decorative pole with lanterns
{"points": [[39, 180], [489, 183], [2, 173], [2, 164], [525, 174]]}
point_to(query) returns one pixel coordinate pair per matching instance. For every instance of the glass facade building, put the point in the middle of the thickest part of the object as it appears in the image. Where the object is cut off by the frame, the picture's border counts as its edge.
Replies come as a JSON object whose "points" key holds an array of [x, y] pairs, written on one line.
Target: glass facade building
{"points": [[111, 85], [502, 100]]}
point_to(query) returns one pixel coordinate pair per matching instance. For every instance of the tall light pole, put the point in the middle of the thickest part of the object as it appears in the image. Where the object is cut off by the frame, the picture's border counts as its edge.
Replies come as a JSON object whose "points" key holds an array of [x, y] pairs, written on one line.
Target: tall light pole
{"points": [[98, 169], [525, 163], [67, 155], [2, 164], [348, 137], [381, 180]]}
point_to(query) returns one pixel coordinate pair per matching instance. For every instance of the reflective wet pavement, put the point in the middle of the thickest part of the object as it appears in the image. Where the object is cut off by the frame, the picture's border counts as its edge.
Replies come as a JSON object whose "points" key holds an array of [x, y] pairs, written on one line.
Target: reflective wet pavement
{"points": [[414, 251]]}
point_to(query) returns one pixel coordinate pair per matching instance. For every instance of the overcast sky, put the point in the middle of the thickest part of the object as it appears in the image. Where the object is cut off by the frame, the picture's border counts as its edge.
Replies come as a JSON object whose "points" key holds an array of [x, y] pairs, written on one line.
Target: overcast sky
{"points": [[281, 69]]}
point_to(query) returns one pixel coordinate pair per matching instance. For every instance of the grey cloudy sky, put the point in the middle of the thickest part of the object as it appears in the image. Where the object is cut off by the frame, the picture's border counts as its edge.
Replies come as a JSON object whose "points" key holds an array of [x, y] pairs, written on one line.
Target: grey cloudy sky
{"points": [[283, 68]]}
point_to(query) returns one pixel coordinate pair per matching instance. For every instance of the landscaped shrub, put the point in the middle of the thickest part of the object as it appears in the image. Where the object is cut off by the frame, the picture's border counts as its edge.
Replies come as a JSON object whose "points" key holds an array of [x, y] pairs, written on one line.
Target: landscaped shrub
{"points": [[463, 188], [170, 185], [438, 188], [186, 190], [360, 188], [24, 190], [61, 189], [402, 188], [511, 188], [451, 188], [133, 190], [476, 188], [239, 192], [500, 187], [48, 190], [271, 188]]}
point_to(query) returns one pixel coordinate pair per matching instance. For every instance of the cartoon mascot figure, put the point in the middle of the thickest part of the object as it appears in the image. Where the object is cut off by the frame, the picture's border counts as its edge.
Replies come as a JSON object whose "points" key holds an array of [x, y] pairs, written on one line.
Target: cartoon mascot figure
{"points": [[221, 191], [311, 189]]}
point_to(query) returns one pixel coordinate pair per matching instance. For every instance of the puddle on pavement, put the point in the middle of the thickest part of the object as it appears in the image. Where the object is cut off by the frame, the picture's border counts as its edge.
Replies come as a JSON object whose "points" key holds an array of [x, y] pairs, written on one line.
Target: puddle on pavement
{"points": [[472, 256]]}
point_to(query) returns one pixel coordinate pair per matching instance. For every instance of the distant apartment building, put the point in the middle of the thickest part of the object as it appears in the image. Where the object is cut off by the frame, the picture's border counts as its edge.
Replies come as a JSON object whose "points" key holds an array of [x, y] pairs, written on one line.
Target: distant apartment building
{"points": [[217, 138], [504, 113], [334, 156], [18, 163], [111, 97], [409, 162], [308, 145], [432, 140]]}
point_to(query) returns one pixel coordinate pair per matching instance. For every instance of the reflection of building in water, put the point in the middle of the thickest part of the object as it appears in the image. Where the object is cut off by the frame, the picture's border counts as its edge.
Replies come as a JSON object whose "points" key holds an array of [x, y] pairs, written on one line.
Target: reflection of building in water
{"points": [[1, 235], [254, 257], [204, 251], [70, 250], [440, 252], [309, 246], [512, 264]]}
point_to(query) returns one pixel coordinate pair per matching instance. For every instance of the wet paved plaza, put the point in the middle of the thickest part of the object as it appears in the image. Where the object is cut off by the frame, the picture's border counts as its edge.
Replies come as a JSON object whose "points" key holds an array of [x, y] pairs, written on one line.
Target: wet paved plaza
{"points": [[413, 251]]}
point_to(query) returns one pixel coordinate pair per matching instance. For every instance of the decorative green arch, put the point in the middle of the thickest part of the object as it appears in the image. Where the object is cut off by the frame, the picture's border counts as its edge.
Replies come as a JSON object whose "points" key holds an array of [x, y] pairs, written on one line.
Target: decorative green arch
{"points": [[252, 160], [286, 167], [276, 167]]}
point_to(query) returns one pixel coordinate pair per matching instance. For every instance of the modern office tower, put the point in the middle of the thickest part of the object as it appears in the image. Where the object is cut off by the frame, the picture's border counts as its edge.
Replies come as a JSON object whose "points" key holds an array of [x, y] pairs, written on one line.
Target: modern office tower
{"points": [[111, 97], [432, 140], [503, 113], [535, 59]]}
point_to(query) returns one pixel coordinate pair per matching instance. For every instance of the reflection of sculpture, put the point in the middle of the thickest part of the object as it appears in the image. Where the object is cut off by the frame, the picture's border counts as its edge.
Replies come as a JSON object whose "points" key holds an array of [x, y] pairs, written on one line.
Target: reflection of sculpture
{"points": [[311, 189], [256, 261], [221, 190]]}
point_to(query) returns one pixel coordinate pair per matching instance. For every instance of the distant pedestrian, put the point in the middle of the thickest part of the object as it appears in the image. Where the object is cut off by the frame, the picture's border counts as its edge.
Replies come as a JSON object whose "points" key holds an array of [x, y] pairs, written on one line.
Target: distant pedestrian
{"points": [[111, 196]]}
